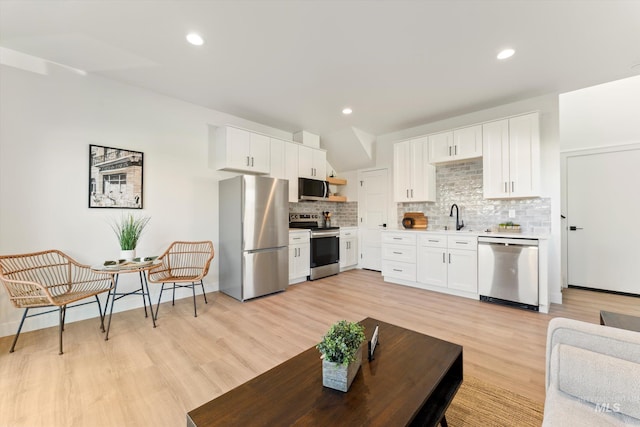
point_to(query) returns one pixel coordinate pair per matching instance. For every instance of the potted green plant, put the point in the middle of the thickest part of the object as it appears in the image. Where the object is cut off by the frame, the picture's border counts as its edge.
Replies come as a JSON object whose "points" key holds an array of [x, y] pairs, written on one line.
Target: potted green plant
{"points": [[128, 231], [341, 349]]}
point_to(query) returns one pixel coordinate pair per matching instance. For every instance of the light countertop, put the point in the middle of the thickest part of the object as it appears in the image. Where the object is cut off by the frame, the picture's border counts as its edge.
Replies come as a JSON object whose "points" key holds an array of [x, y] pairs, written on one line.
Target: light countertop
{"points": [[471, 232]]}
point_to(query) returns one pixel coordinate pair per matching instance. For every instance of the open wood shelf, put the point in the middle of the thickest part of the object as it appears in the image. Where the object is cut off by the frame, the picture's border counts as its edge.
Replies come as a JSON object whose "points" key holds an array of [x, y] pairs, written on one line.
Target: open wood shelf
{"points": [[333, 198], [336, 181]]}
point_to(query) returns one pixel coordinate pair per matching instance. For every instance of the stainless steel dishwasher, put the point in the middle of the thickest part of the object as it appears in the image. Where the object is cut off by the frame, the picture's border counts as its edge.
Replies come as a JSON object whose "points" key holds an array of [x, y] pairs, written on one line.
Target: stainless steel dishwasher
{"points": [[508, 271]]}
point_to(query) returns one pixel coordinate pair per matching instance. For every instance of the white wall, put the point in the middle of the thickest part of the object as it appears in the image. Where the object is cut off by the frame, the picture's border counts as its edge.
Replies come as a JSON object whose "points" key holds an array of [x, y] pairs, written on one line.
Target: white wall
{"points": [[550, 162], [600, 116], [46, 125]]}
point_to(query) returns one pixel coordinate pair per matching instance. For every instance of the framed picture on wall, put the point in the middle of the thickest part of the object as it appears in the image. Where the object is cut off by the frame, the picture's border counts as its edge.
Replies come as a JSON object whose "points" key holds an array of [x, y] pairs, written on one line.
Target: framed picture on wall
{"points": [[115, 178]]}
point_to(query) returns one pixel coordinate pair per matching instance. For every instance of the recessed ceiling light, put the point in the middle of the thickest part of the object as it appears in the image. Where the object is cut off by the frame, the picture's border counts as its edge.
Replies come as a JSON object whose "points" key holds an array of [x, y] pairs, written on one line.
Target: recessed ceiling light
{"points": [[347, 111], [195, 39], [506, 53]]}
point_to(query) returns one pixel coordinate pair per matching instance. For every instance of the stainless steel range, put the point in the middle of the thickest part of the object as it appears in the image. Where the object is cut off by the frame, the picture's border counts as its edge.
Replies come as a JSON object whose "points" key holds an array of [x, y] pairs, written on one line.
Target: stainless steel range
{"points": [[325, 245]]}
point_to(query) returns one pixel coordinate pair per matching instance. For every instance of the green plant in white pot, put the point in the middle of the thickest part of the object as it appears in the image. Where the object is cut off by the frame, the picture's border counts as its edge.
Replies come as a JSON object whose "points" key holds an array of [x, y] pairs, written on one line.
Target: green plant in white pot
{"points": [[128, 231], [341, 349]]}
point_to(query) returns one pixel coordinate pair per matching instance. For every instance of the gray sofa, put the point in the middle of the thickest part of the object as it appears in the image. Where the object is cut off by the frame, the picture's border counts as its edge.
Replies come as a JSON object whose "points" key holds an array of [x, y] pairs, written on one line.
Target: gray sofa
{"points": [[593, 375]]}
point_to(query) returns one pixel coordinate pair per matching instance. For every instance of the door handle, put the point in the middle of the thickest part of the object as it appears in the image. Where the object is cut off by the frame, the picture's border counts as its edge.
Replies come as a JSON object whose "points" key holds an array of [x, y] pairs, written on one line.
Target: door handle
{"points": [[248, 161], [574, 228], [449, 258]]}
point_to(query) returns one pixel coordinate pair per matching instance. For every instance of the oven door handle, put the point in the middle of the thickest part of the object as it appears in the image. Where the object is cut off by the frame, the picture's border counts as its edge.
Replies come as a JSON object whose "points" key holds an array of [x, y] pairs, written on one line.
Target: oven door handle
{"points": [[328, 233], [326, 189]]}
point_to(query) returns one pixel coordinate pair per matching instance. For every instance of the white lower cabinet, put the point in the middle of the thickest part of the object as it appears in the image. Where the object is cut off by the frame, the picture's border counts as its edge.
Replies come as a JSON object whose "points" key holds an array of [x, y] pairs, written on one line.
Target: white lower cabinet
{"points": [[299, 256], [348, 248], [448, 261], [441, 262], [432, 265], [399, 256]]}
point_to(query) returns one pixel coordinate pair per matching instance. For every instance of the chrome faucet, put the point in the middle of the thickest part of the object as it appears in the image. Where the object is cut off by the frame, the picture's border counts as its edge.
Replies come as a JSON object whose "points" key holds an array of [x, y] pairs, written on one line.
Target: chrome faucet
{"points": [[459, 224]]}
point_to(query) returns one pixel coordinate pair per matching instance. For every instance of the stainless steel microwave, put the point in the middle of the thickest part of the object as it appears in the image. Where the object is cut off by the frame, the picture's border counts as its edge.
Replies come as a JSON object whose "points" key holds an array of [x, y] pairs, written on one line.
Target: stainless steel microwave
{"points": [[312, 189]]}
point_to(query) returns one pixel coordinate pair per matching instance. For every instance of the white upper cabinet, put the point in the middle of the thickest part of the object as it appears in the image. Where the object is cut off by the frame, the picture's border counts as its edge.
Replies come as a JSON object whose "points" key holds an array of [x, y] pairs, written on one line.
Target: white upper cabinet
{"points": [[312, 163], [284, 164], [459, 144], [511, 157], [291, 168], [278, 167], [241, 151], [414, 178]]}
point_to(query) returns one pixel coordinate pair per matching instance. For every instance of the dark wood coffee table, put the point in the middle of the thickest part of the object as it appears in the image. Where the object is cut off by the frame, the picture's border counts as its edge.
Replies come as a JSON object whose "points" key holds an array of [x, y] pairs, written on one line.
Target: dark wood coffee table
{"points": [[619, 320], [411, 381]]}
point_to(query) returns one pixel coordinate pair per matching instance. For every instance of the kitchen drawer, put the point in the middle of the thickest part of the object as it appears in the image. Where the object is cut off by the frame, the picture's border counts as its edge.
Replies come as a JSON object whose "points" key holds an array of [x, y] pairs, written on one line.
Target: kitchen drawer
{"points": [[297, 237], [399, 238], [348, 233], [469, 243], [399, 270], [433, 240], [400, 253]]}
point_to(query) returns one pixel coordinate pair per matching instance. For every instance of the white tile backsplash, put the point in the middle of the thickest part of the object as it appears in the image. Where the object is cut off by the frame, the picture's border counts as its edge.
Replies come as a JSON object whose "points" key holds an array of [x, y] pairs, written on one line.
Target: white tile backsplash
{"points": [[461, 183]]}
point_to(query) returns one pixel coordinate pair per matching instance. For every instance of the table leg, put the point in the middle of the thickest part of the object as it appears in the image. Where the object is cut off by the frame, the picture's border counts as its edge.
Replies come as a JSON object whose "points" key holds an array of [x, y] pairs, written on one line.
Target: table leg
{"points": [[113, 300], [144, 301], [145, 285]]}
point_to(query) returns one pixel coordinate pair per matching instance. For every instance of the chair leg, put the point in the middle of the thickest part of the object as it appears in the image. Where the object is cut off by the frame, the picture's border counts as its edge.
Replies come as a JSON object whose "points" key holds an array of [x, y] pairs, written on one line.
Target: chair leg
{"points": [[63, 312], [173, 299], [15, 339], [195, 310], [158, 306], [203, 294]]}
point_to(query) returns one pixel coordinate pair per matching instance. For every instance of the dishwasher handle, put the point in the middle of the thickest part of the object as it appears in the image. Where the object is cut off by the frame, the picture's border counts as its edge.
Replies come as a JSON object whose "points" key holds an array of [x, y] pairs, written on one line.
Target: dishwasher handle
{"points": [[507, 241]]}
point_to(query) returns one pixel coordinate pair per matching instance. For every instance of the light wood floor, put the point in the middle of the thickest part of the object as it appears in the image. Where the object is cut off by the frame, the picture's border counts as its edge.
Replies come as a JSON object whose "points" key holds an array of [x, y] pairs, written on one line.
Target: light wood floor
{"points": [[147, 376]]}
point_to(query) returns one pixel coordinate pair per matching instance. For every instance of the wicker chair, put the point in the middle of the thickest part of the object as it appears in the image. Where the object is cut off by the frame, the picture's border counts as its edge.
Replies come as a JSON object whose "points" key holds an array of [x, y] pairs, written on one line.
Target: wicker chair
{"points": [[50, 279], [184, 264]]}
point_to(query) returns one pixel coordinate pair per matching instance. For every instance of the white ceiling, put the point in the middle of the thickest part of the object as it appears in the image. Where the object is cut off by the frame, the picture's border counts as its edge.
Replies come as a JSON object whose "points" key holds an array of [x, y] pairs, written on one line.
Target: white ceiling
{"points": [[295, 64]]}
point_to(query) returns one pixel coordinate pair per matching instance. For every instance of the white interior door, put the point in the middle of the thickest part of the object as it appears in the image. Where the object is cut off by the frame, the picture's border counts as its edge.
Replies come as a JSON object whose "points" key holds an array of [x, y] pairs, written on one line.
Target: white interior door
{"points": [[373, 196], [603, 250]]}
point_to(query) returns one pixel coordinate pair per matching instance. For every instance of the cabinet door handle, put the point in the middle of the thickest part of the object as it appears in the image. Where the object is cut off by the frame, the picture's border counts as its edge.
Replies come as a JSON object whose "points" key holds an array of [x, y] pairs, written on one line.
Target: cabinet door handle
{"points": [[505, 187], [462, 243], [247, 160], [449, 258], [512, 186], [297, 238], [397, 238], [407, 193], [412, 193], [434, 241], [455, 150], [252, 161], [397, 253], [443, 259], [398, 270], [449, 150]]}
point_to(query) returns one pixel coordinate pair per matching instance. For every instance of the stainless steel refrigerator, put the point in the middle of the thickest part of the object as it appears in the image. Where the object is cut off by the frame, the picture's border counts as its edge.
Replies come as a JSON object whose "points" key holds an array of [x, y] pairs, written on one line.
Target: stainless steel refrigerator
{"points": [[254, 236]]}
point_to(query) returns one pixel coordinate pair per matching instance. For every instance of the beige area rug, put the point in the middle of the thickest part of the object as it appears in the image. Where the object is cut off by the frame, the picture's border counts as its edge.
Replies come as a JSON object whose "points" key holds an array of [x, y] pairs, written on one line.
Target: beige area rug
{"points": [[480, 404]]}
